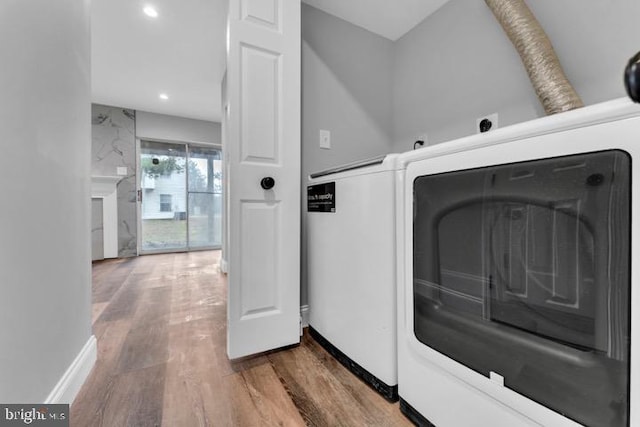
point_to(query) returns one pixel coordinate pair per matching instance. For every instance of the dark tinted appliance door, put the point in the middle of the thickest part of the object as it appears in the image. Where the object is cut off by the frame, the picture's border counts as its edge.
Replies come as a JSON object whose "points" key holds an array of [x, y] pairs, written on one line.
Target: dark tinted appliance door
{"points": [[523, 269]]}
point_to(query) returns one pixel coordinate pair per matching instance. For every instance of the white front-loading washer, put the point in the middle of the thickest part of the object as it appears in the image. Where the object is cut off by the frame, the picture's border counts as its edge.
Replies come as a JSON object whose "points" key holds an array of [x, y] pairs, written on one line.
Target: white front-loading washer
{"points": [[515, 274], [351, 268]]}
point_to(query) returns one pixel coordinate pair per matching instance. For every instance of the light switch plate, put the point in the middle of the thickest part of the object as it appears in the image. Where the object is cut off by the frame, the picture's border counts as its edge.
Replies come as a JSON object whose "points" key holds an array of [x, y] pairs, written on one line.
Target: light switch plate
{"points": [[121, 170], [325, 139]]}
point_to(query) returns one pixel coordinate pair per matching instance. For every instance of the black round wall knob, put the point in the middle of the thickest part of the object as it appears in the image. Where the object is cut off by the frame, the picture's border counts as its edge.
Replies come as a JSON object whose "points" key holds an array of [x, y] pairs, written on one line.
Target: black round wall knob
{"points": [[267, 183], [632, 78], [485, 125]]}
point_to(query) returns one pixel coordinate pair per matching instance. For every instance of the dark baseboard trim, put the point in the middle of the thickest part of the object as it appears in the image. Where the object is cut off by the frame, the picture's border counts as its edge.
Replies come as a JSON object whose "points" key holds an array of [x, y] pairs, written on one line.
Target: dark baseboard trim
{"points": [[388, 392], [414, 416]]}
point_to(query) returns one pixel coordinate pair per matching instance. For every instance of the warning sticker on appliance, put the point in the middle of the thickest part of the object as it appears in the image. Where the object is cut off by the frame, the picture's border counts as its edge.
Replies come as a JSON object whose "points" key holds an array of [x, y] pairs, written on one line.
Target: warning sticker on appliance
{"points": [[321, 197]]}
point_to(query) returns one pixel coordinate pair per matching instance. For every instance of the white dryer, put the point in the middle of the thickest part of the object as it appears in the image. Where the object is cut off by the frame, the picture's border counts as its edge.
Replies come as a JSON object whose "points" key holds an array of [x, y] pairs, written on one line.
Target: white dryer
{"points": [[351, 268], [515, 302]]}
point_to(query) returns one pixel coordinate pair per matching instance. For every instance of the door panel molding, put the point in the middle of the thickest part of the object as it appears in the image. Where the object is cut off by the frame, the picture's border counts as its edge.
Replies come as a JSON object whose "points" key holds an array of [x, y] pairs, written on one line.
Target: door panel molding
{"points": [[265, 13], [260, 111]]}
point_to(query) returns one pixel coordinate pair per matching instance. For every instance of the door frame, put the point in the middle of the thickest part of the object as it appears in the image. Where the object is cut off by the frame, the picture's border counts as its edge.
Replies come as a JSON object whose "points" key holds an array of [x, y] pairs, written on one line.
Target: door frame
{"points": [[186, 143]]}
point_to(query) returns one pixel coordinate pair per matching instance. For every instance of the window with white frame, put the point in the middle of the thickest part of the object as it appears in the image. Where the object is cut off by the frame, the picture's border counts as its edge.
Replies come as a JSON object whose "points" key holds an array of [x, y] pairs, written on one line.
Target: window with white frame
{"points": [[165, 203]]}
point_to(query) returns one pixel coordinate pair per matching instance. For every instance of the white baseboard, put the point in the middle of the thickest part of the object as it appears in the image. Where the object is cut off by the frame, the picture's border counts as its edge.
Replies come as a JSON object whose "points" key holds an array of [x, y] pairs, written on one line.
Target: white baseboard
{"points": [[224, 266], [304, 317], [71, 382]]}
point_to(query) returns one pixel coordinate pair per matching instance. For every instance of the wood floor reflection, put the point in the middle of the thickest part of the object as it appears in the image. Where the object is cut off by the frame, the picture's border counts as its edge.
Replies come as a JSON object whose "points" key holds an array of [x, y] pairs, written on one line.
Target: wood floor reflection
{"points": [[160, 322]]}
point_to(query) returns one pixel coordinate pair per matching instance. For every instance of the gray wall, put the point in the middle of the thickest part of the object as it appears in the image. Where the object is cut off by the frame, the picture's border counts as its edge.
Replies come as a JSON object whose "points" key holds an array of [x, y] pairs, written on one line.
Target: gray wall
{"points": [[378, 96], [170, 128], [113, 144], [45, 253], [346, 89], [458, 64]]}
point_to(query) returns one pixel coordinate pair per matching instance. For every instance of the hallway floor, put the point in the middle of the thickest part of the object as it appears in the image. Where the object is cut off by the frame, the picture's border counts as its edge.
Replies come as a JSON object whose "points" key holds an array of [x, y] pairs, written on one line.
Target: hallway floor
{"points": [[160, 325]]}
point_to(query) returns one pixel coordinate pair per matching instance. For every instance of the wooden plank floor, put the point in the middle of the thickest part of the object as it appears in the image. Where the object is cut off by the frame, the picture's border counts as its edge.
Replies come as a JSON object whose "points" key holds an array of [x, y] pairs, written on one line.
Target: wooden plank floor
{"points": [[160, 325]]}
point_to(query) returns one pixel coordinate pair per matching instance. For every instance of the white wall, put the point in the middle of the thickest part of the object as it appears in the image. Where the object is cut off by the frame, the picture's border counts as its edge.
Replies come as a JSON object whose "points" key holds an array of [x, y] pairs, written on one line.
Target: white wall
{"points": [[45, 247], [458, 64], [171, 128], [346, 89], [172, 185]]}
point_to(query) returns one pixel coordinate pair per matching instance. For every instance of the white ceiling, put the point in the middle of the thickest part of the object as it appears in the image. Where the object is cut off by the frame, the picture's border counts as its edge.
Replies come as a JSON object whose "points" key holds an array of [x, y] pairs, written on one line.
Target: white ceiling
{"points": [[388, 18], [181, 53], [134, 58]]}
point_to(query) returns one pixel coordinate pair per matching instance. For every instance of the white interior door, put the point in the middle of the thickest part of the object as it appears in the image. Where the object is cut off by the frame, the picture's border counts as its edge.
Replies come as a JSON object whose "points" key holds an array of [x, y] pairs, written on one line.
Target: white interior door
{"points": [[263, 140]]}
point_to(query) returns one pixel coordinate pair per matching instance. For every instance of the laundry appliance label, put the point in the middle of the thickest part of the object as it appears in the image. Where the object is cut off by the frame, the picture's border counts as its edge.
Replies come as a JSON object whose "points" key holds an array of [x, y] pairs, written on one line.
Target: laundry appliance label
{"points": [[321, 197]]}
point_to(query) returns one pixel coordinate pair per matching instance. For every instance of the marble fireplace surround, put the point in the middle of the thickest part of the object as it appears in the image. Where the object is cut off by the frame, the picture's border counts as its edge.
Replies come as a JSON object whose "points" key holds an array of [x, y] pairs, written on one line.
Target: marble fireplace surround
{"points": [[104, 187]]}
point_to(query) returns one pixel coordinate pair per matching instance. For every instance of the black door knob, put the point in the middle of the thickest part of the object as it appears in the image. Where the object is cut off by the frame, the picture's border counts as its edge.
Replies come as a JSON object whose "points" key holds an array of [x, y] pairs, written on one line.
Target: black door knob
{"points": [[632, 78], [267, 183]]}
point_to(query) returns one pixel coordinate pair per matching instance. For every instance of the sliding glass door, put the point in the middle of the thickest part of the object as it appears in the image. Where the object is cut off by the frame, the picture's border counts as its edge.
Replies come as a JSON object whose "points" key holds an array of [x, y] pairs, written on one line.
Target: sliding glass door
{"points": [[163, 196], [180, 193], [204, 197]]}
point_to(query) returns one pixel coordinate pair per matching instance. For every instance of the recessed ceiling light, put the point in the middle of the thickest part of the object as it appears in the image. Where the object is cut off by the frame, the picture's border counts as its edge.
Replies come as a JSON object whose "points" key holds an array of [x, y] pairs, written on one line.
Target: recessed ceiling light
{"points": [[150, 11], [164, 96]]}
